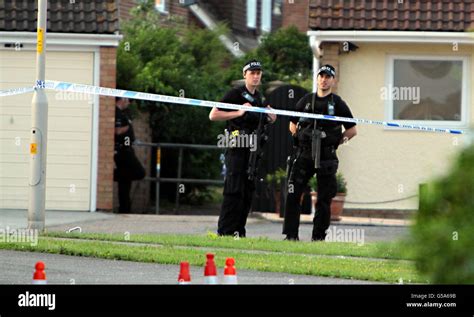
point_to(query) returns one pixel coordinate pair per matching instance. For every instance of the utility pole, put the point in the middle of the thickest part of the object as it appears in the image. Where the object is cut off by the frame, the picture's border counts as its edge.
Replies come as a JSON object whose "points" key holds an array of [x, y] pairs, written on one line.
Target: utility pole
{"points": [[39, 130]]}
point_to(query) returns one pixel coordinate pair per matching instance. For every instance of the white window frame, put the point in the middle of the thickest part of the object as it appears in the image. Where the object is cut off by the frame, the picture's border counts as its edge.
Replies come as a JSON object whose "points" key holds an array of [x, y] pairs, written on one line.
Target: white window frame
{"points": [[465, 94], [161, 7], [251, 14], [266, 16]]}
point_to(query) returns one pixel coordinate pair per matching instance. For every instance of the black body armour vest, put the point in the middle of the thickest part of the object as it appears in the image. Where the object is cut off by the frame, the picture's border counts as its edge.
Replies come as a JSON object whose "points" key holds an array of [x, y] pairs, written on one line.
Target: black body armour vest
{"points": [[332, 129]]}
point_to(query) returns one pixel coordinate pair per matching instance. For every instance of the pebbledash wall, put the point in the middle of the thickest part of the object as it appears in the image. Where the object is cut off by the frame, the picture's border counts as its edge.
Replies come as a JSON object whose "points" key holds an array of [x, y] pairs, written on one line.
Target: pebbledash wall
{"points": [[382, 164]]}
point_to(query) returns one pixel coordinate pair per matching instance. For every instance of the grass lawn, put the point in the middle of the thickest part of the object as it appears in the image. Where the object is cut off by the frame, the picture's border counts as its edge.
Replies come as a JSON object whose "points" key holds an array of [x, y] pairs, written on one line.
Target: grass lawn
{"points": [[374, 262], [381, 250]]}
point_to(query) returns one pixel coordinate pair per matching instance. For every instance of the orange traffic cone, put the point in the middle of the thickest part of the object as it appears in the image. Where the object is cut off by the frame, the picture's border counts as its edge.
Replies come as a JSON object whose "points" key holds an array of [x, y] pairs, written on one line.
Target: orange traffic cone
{"points": [[184, 277], [210, 270], [230, 273], [39, 277]]}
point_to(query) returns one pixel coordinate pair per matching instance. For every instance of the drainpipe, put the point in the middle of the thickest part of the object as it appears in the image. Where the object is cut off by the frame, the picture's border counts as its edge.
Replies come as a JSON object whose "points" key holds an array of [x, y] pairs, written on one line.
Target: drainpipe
{"points": [[317, 54]]}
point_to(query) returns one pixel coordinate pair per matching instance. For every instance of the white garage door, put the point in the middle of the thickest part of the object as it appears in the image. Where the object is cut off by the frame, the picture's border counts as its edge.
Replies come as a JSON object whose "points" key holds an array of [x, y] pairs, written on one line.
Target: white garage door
{"points": [[68, 171]]}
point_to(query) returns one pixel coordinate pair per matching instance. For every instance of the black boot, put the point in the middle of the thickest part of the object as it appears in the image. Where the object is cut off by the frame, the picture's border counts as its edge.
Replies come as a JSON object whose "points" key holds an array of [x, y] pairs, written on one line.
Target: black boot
{"points": [[292, 238], [318, 237]]}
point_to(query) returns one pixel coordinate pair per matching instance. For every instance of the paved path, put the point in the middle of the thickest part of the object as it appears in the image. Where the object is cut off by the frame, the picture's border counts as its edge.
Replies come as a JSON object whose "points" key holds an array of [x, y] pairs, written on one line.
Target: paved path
{"points": [[268, 225]]}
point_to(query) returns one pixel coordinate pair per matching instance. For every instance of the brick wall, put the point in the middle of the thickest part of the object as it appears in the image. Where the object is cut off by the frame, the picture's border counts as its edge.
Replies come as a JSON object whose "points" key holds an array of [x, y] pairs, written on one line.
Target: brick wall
{"points": [[172, 6], [140, 192], [124, 8], [277, 20], [222, 9], [178, 14], [108, 59], [296, 12], [185, 15], [239, 17], [176, 9]]}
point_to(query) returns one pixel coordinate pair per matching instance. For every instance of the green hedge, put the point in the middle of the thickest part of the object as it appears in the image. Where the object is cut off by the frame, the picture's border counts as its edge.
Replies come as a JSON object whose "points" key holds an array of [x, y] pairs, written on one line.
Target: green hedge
{"points": [[443, 235]]}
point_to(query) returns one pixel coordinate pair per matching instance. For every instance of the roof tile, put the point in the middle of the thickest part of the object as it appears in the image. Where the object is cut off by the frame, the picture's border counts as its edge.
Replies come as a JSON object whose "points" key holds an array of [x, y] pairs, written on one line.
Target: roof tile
{"points": [[84, 16], [416, 15]]}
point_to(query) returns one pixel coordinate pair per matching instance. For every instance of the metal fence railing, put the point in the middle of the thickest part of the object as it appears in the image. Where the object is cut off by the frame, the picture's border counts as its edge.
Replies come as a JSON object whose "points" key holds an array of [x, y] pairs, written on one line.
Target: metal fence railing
{"points": [[178, 180]]}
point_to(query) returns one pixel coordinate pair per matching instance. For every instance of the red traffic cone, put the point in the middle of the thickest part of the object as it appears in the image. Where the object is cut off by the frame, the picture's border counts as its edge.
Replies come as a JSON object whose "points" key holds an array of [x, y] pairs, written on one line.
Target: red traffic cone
{"points": [[39, 277], [210, 270], [184, 277], [230, 273]]}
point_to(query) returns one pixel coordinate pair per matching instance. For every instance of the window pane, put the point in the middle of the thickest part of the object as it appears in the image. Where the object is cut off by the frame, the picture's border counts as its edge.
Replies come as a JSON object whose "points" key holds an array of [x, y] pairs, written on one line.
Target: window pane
{"points": [[427, 90], [160, 5], [252, 14], [266, 15]]}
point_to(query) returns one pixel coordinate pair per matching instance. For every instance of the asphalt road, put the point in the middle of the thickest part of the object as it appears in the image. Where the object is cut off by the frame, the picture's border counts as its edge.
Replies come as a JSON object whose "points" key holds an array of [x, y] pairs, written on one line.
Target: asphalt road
{"points": [[17, 268]]}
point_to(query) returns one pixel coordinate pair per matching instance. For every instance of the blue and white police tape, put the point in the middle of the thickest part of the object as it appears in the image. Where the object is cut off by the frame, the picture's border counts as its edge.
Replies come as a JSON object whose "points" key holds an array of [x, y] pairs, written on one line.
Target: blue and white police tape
{"points": [[102, 91], [16, 91], [64, 86]]}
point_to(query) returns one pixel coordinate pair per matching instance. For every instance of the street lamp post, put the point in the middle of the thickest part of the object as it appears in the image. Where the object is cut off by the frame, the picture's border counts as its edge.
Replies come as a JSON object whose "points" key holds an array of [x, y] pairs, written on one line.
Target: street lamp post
{"points": [[39, 130]]}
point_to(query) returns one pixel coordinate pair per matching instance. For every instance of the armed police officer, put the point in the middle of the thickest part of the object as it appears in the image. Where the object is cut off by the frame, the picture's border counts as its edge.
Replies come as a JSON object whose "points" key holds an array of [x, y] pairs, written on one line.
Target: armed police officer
{"points": [[127, 166], [314, 151], [241, 162]]}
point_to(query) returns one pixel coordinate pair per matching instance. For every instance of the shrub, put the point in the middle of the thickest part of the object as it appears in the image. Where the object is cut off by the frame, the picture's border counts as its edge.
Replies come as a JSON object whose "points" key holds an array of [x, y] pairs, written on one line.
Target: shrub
{"points": [[163, 57], [443, 234], [341, 183]]}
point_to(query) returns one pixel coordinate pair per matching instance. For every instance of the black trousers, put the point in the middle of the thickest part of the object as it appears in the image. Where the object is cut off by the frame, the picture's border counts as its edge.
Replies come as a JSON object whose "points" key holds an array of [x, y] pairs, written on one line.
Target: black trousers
{"points": [[128, 169], [300, 174], [238, 193], [125, 203]]}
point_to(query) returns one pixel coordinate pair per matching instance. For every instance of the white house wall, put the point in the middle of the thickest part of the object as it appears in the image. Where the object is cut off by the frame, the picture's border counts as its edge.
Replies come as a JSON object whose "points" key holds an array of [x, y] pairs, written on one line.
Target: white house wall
{"points": [[384, 165]]}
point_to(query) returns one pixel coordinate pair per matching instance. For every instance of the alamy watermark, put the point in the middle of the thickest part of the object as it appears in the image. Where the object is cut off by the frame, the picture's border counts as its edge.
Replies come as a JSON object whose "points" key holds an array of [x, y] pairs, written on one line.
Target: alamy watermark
{"points": [[237, 140], [400, 93], [37, 300], [9, 235], [73, 96], [335, 234]]}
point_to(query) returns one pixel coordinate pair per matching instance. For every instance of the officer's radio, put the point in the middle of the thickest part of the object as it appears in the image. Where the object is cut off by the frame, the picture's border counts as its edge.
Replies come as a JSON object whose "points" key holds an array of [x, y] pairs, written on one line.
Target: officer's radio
{"points": [[331, 110], [248, 97]]}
